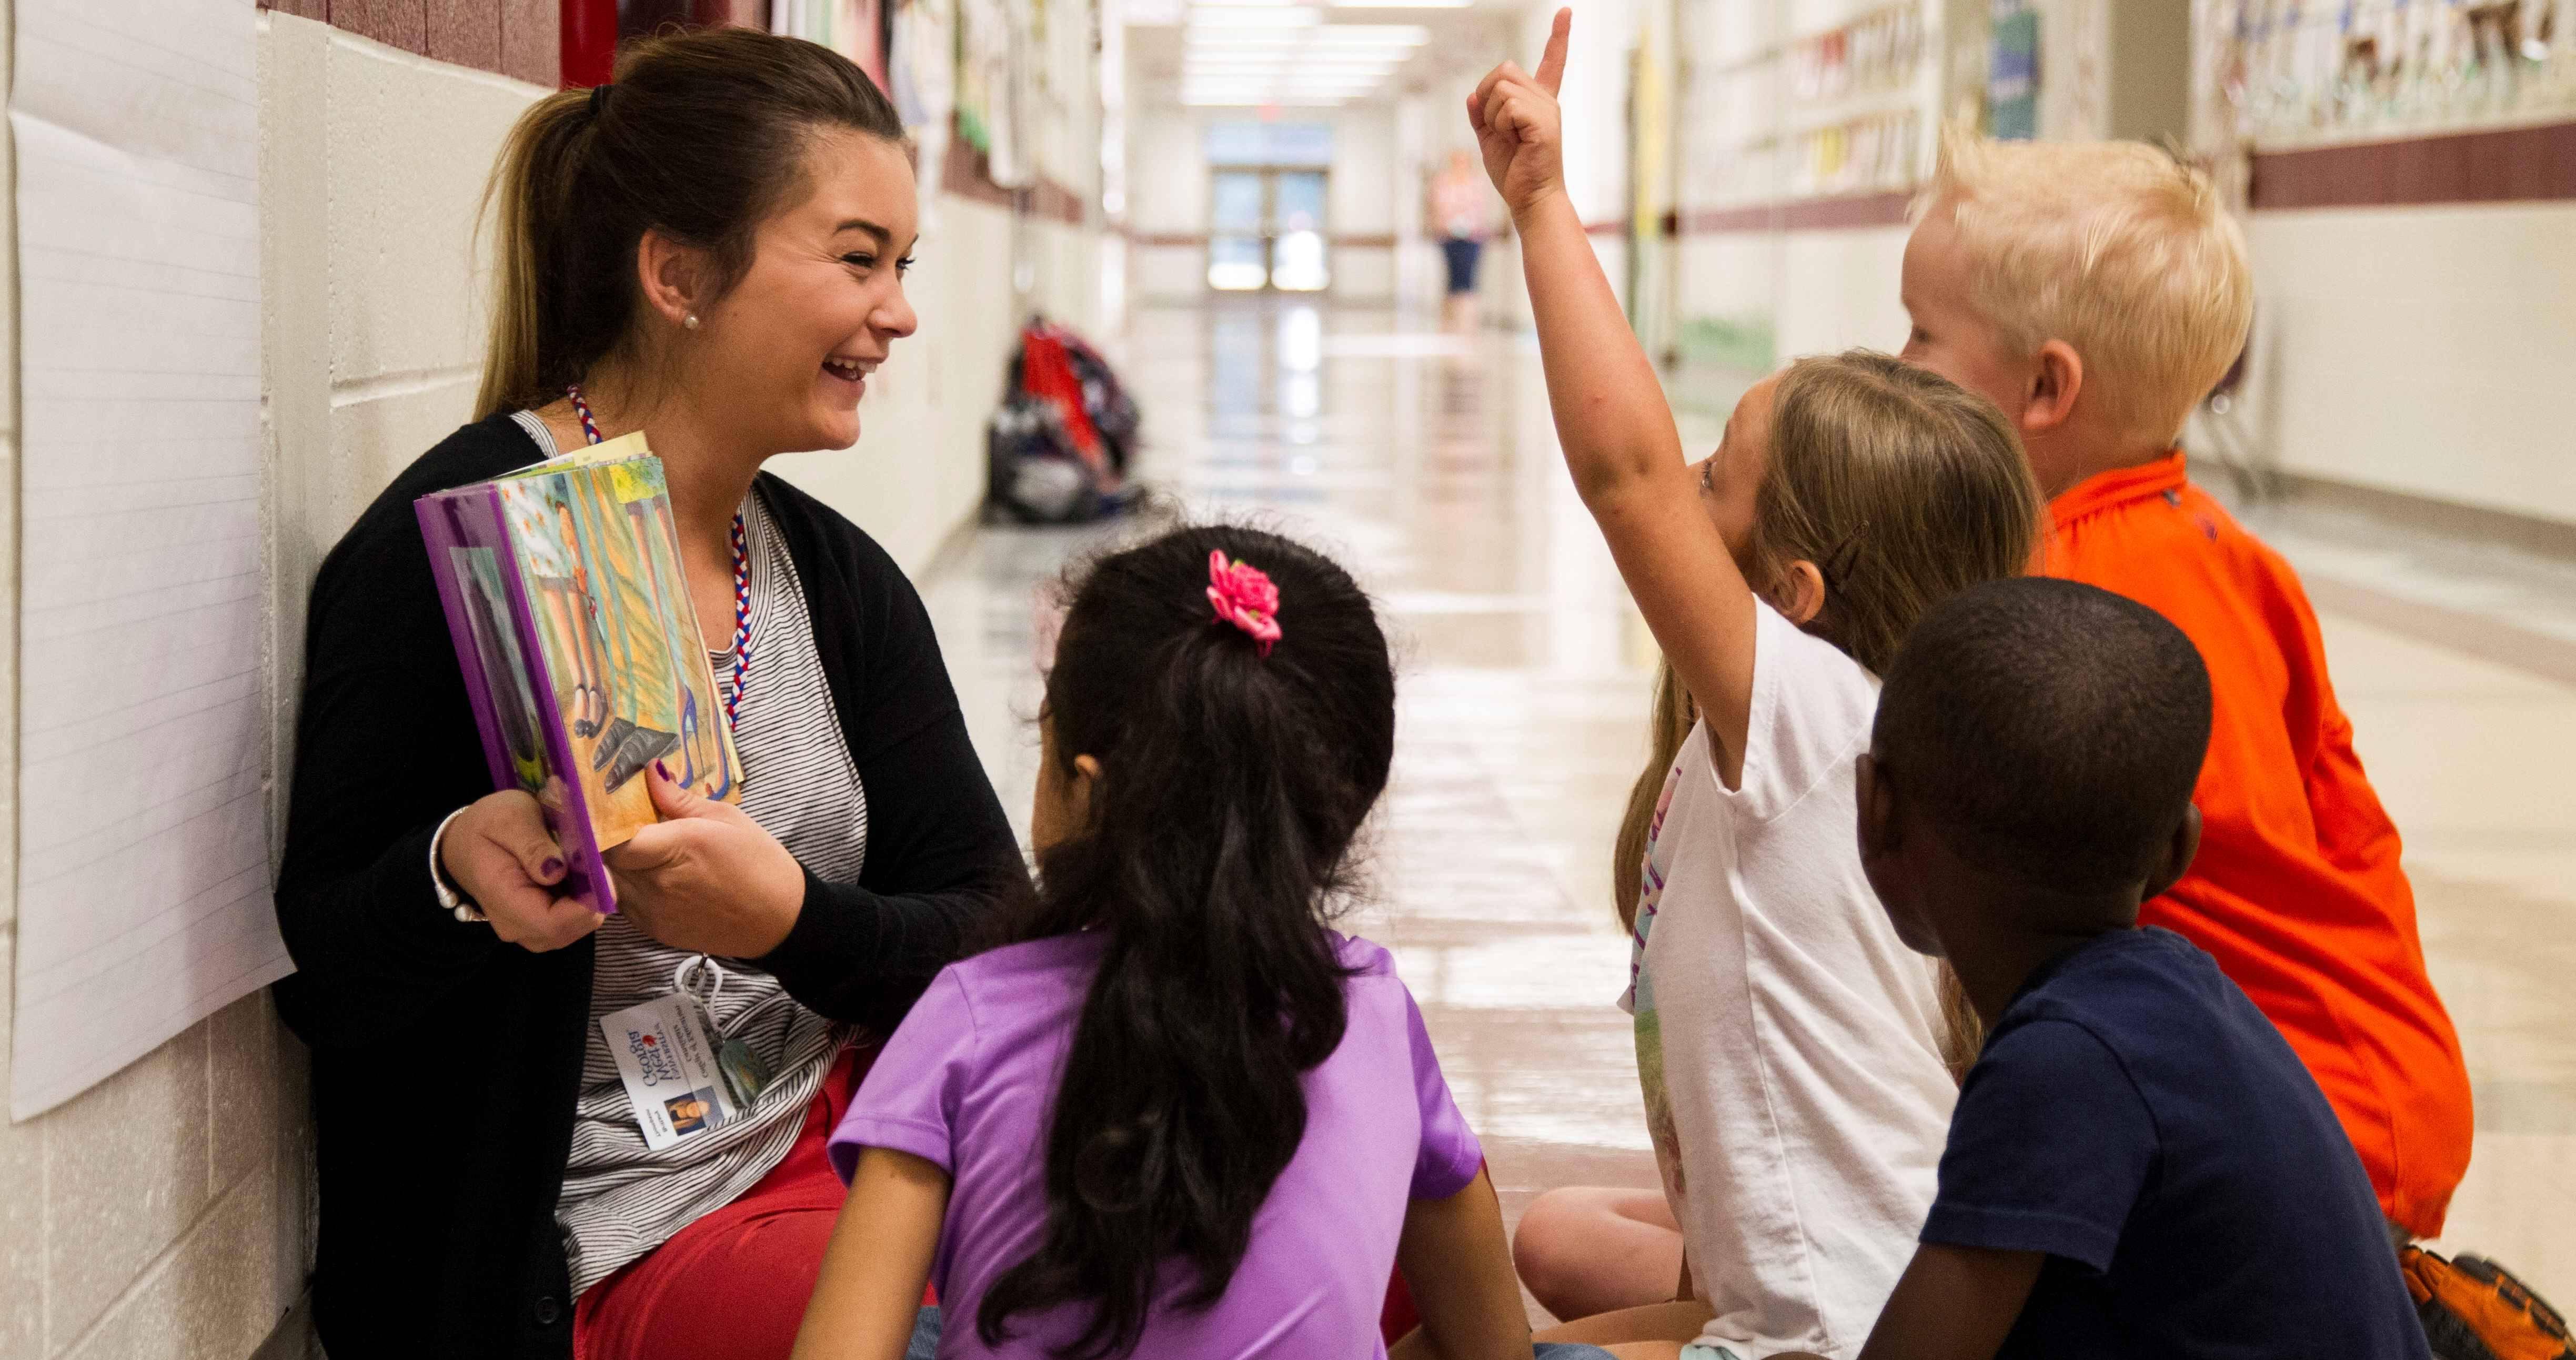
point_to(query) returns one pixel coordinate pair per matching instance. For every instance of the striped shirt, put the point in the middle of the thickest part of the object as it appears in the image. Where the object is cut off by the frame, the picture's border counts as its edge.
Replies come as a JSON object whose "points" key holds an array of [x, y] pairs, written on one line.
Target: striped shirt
{"points": [[621, 1199]]}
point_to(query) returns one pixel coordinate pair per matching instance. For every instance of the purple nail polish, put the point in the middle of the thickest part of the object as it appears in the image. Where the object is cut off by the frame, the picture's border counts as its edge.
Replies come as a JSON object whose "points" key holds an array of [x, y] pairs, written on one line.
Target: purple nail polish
{"points": [[550, 869], [663, 770]]}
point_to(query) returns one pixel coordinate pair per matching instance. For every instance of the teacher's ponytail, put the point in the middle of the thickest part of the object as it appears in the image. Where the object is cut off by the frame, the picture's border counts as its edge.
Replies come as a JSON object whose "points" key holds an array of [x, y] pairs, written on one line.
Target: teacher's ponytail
{"points": [[701, 136], [524, 218]]}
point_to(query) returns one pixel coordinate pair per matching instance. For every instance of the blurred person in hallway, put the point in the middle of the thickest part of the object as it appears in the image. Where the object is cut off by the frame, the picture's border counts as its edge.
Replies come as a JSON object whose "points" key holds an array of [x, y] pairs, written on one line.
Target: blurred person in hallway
{"points": [[2096, 292], [711, 251], [1789, 1045], [1462, 214]]}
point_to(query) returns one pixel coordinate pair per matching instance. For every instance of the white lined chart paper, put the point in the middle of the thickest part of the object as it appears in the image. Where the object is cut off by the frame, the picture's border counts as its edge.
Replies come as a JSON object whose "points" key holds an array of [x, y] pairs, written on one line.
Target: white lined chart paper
{"points": [[143, 883]]}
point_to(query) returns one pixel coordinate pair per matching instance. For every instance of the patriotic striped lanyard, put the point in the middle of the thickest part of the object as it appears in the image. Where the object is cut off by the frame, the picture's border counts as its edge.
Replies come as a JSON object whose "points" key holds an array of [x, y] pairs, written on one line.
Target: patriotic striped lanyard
{"points": [[741, 579]]}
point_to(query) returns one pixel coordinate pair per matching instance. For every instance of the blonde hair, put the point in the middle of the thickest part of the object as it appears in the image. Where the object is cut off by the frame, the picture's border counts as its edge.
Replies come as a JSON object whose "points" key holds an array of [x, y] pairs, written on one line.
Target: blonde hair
{"points": [[1903, 489], [1674, 716], [2115, 248]]}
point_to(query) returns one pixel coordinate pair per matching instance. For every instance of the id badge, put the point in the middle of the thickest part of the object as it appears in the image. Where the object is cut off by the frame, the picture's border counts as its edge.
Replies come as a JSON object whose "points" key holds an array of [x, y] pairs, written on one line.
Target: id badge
{"points": [[666, 1056]]}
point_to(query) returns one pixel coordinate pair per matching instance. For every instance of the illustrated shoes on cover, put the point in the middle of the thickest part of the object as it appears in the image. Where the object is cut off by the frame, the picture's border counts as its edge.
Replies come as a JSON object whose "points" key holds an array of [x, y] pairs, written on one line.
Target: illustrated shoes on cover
{"points": [[610, 738], [642, 746]]}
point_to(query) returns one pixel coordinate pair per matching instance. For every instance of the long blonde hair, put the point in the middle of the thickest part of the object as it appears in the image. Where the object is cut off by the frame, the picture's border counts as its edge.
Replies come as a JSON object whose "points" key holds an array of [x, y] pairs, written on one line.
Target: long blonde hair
{"points": [[1903, 489]]}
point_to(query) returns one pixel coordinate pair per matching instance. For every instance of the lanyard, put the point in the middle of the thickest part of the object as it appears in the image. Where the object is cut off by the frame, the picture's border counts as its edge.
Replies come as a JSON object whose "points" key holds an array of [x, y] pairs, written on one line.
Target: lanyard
{"points": [[741, 580]]}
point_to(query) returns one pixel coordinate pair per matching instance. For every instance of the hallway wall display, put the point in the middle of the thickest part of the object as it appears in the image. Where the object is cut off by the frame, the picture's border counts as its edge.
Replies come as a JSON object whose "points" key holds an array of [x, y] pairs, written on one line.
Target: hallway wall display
{"points": [[921, 66], [2290, 76], [143, 827]]}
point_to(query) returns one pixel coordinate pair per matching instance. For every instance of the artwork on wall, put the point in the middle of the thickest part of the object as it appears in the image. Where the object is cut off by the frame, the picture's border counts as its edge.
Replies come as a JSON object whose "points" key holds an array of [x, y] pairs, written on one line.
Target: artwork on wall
{"points": [[2288, 72], [854, 28], [921, 64]]}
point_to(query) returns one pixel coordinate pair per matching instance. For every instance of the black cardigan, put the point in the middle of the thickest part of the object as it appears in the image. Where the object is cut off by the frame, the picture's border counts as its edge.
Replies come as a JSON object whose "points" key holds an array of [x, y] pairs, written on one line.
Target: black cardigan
{"points": [[445, 1061]]}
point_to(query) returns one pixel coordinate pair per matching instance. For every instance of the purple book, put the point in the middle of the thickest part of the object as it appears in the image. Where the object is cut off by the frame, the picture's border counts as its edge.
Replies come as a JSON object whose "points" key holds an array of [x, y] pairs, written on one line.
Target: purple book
{"points": [[580, 647]]}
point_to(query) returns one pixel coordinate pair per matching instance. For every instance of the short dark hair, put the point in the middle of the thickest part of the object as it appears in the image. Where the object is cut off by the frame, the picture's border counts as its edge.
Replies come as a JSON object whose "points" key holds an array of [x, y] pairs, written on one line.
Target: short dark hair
{"points": [[2050, 730]]}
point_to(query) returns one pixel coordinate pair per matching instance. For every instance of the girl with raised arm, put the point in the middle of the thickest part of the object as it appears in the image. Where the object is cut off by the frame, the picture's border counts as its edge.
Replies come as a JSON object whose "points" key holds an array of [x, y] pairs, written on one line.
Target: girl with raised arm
{"points": [[1790, 1046]]}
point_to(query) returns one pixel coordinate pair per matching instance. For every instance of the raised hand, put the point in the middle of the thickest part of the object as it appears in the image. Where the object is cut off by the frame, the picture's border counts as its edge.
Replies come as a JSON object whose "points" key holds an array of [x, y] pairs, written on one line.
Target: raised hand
{"points": [[1518, 124]]}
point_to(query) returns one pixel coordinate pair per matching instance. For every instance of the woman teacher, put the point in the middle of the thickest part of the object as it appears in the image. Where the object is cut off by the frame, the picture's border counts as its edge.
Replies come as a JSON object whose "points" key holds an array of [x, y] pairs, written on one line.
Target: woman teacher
{"points": [[710, 250]]}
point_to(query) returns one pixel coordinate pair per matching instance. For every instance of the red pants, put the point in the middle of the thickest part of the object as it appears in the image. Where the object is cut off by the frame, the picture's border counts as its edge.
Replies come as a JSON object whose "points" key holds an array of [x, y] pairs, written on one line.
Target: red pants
{"points": [[735, 1282]]}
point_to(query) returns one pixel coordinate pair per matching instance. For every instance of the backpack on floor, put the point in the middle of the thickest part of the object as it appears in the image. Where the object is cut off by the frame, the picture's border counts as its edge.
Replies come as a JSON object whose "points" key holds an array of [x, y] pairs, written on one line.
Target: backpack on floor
{"points": [[2474, 1309], [1058, 447]]}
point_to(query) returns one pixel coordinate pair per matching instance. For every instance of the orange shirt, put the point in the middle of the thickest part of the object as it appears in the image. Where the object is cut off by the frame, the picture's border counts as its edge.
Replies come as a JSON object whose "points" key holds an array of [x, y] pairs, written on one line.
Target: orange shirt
{"points": [[2297, 888]]}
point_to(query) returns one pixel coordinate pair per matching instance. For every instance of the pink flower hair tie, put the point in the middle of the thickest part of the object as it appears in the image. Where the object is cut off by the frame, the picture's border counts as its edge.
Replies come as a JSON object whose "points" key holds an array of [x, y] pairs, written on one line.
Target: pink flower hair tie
{"points": [[1243, 596]]}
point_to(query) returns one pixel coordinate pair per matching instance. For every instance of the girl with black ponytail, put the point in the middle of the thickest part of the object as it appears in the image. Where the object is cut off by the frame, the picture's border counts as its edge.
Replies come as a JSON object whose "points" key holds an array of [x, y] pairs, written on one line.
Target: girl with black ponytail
{"points": [[1175, 1114]]}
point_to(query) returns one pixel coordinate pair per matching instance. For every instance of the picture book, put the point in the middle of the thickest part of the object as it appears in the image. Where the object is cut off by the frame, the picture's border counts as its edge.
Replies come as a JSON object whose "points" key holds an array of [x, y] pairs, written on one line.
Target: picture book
{"points": [[580, 645]]}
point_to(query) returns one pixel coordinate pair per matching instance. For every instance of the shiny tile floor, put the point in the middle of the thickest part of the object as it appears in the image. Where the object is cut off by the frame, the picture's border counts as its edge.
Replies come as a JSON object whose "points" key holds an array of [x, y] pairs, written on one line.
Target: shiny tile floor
{"points": [[1428, 464]]}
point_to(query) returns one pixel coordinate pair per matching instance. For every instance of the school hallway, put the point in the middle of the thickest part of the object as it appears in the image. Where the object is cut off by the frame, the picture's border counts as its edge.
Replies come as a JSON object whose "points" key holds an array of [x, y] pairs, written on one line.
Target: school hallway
{"points": [[1427, 462]]}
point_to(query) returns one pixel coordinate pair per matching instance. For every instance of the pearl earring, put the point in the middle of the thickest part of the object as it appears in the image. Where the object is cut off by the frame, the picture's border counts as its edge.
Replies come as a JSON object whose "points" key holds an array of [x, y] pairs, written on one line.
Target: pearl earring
{"points": [[690, 321]]}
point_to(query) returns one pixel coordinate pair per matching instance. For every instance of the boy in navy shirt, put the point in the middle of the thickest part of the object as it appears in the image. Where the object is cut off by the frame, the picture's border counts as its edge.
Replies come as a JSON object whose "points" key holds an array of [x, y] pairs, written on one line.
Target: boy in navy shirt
{"points": [[2138, 1165]]}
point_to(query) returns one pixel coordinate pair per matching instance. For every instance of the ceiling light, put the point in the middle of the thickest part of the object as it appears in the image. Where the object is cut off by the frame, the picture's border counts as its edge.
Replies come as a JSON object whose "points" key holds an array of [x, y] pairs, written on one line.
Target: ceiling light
{"points": [[1242, 101], [1253, 17], [1390, 35], [1398, 4], [1288, 62]]}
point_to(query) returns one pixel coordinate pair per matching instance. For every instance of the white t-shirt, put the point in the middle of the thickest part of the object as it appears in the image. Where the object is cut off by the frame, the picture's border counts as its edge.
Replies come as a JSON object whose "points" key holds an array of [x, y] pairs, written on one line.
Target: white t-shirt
{"points": [[1786, 1039]]}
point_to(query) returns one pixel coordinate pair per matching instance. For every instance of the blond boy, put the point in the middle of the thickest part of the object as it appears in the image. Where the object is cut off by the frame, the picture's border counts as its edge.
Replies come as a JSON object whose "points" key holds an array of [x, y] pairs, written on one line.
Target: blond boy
{"points": [[2096, 292]]}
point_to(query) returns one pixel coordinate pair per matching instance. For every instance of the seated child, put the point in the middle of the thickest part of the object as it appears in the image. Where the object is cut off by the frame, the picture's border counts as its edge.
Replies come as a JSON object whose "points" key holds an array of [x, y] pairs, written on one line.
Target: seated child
{"points": [[2096, 292], [2139, 1165], [1787, 1041], [1173, 1114]]}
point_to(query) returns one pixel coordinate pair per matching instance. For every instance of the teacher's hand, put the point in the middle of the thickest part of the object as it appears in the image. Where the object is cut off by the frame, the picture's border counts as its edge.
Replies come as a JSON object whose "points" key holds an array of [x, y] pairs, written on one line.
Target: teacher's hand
{"points": [[706, 877], [499, 852]]}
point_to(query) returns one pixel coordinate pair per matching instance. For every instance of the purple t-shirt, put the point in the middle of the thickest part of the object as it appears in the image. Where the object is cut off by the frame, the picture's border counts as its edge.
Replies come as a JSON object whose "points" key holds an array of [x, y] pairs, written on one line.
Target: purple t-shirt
{"points": [[968, 1083]]}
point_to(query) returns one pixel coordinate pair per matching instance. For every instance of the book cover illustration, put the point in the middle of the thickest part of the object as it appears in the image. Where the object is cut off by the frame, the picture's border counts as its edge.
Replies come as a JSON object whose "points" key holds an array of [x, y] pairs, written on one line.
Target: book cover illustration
{"points": [[580, 645]]}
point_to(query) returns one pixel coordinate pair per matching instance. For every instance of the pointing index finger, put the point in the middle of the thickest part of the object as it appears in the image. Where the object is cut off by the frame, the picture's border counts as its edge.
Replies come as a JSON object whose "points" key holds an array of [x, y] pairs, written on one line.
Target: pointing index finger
{"points": [[1551, 63]]}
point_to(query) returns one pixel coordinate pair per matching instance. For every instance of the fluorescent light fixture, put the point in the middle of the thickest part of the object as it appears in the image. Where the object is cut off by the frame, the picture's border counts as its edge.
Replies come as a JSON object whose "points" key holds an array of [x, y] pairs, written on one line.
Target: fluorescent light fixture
{"points": [[1252, 27], [1243, 101], [1398, 4], [1253, 17], [1258, 87], [1263, 94], [1372, 35], [1289, 66]]}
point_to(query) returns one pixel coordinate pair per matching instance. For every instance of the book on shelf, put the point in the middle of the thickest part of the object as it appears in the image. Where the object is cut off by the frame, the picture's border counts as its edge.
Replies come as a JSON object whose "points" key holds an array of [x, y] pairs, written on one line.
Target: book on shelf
{"points": [[580, 645]]}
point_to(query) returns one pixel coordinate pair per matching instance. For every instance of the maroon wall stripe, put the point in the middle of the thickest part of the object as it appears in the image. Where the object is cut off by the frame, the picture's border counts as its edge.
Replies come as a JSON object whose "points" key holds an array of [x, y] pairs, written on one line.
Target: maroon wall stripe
{"points": [[1192, 240], [2532, 164], [1800, 214]]}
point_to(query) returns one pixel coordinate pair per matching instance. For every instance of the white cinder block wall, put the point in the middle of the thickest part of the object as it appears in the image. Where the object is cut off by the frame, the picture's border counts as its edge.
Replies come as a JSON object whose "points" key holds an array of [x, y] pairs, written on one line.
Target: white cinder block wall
{"points": [[166, 1212], [2420, 350]]}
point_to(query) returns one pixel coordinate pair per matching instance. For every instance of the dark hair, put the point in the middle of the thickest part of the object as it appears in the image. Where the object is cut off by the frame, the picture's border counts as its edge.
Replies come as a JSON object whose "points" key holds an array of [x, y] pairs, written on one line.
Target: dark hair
{"points": [[701, 137], [1218, 837], [2050, 730]]}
